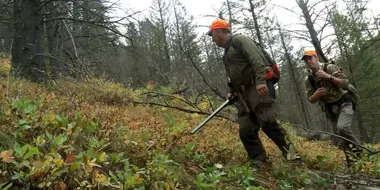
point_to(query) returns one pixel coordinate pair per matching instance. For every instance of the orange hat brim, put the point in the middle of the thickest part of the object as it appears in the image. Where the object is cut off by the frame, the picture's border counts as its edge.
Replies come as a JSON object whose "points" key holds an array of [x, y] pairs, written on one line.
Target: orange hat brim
{"points": [[307, 54], [218, 24]]}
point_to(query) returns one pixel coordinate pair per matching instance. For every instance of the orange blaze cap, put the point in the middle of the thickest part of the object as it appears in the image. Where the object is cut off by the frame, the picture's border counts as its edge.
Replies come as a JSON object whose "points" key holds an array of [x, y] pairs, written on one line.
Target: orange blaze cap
{"points": [[218, 24], [309, 53]]}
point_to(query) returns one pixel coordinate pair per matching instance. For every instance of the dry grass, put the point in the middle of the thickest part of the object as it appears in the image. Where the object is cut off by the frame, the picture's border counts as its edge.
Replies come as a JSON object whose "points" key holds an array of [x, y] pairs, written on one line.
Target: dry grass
{"points": [[218, 140], [140, 118], [4, 66]]}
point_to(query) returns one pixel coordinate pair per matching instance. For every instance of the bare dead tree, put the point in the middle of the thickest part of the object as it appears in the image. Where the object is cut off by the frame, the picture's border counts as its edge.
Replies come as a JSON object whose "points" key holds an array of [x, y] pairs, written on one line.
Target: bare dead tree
{"points": [[293, 75], [308, 11]]}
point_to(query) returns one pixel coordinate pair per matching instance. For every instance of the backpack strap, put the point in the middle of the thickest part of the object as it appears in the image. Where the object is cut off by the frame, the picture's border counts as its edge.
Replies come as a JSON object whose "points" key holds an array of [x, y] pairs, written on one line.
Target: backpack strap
{"points": [[313, 85], [233, 44], [312, 81], [225, 61], [324, 67]]}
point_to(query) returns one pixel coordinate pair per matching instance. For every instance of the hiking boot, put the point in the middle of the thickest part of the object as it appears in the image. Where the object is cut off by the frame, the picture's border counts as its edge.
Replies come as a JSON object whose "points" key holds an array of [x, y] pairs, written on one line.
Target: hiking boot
{"points": [[261, 166], [260, 163], [350, 163], [352, 154], [294, 157], [350, 159]]}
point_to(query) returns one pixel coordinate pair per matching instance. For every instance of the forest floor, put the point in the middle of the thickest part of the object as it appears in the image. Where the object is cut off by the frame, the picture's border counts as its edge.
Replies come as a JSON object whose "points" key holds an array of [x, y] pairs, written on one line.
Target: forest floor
{"points": [[100, 135]]}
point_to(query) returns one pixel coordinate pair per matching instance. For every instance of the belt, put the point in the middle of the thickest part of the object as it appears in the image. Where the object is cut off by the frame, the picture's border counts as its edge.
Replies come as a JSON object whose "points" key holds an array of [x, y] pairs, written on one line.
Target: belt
{"points": [[344, 99]]}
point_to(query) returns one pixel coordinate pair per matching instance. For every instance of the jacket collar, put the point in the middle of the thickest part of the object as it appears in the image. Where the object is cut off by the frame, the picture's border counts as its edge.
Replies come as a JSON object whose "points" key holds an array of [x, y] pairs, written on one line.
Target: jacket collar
{"points": [[228, 42]]}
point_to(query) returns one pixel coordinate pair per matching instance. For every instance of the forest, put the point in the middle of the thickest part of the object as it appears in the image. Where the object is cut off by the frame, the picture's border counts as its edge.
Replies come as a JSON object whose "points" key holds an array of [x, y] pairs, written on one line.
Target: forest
{"points": [[91, 100]]}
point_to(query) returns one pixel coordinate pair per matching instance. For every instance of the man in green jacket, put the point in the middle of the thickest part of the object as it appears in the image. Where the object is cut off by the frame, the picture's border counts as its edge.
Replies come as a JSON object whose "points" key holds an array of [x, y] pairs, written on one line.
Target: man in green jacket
{"points": [[245, 69]]}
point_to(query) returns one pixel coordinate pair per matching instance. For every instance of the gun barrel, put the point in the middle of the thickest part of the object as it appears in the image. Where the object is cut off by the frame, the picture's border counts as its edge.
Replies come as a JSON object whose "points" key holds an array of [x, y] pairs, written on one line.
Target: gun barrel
{"points": [[210, 116]]}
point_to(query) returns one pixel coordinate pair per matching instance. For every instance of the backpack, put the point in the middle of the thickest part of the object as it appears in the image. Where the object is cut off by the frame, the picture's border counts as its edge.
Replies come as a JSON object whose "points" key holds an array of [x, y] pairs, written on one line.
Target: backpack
{"points": [[272, 72], [351, 88]]}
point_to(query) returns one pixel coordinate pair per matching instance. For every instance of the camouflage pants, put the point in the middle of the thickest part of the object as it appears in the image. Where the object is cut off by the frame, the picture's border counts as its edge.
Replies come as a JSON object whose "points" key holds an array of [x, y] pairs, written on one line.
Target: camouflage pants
{"points": [[341, 122], [263, 115]]}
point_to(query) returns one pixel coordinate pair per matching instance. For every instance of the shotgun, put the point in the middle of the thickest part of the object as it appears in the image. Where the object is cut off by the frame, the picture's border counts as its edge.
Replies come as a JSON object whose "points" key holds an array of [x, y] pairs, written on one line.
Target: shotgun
{"points": [[210, 116]]}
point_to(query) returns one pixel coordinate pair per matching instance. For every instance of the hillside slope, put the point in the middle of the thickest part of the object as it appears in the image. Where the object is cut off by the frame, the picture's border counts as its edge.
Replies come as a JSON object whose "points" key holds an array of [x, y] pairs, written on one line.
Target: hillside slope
{"points": [[77, 135]]}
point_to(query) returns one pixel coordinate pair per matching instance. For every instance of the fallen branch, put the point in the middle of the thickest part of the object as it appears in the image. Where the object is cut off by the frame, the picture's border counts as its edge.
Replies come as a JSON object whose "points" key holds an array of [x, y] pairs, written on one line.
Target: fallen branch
{"points": [[184, 100], [350, 181], [371, 152], [357, 180], [175, 140], [178, 108], [208, 99]]}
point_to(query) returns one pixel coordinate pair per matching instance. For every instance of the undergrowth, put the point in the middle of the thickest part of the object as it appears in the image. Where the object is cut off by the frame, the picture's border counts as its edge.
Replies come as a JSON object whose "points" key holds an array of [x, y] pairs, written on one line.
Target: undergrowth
{"points": [[102, 135]]}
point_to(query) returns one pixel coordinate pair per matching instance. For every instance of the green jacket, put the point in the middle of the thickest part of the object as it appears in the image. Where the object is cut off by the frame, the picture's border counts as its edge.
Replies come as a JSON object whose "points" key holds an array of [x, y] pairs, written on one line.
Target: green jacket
{"points": [[243, 67]]}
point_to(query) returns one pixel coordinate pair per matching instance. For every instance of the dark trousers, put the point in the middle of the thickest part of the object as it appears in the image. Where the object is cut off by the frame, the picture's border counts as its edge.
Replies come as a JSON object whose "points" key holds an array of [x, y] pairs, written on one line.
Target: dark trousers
{"points": [[263, 115], [249, 135]]}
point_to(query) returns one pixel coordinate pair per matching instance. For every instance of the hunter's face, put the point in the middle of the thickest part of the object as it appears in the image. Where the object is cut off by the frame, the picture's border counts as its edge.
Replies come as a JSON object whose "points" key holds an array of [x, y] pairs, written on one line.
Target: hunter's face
{"points": [[311, 62], [217, 38]]}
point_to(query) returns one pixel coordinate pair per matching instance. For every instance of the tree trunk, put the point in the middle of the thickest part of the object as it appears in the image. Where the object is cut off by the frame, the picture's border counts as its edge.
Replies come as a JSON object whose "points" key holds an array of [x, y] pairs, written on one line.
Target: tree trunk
{"points": [[293, 77], [54, 65], [28, 41], [257, 27], [313, 34], [76, 16], [164, 37], [229, 12]]}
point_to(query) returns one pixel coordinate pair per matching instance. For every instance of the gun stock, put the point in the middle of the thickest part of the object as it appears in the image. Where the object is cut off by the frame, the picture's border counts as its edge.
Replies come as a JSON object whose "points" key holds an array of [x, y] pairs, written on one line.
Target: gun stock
{"points": [[210, 116]]}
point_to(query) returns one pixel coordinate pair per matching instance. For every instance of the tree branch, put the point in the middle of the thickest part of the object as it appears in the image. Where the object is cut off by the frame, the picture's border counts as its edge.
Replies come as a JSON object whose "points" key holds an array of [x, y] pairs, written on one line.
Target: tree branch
{"points": [[91, 22], [208, 99], [200, 73], [178, 108], [288, 9], [371, 152], [75, 49], [174, 97]]}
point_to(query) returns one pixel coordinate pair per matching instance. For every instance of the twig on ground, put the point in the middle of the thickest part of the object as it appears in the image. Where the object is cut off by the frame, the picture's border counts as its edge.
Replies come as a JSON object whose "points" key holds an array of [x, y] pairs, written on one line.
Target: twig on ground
{"points": [[174, 97], [178, 108], [371, 152]]}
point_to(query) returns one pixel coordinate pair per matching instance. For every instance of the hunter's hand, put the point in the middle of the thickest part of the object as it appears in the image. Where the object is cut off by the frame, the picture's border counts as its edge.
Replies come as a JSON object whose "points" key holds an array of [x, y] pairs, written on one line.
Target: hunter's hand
{"points": [[262, 89], [322, 74], [320, 92], [229, 96]]}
